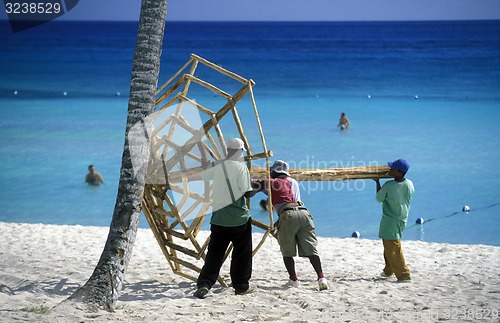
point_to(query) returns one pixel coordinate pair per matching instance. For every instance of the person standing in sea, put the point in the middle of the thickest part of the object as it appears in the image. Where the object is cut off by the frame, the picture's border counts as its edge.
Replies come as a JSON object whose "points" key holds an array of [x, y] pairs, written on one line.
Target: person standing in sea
{"points": [[395, 196], [344, 122], [93, 177], [230, 222], [295, 225]]}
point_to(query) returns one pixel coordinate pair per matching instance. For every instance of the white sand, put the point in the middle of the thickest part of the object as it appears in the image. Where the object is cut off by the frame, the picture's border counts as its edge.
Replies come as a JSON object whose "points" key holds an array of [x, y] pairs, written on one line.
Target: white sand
{"points": [[41, 265]]}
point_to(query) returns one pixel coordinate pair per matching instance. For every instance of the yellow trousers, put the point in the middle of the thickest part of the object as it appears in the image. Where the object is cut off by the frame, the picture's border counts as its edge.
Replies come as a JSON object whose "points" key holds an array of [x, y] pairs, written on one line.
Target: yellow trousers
{"points": [[394, 260]]}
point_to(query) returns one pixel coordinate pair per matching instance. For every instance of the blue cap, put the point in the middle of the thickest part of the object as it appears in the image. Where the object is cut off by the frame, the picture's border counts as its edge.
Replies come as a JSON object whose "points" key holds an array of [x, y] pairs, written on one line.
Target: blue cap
{"points": [[400, 164]]}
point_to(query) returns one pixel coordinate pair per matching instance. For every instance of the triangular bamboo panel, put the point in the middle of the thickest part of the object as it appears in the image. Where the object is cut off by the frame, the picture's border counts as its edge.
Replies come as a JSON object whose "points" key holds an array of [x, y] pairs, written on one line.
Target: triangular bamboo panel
{"points": [[176, 201]]}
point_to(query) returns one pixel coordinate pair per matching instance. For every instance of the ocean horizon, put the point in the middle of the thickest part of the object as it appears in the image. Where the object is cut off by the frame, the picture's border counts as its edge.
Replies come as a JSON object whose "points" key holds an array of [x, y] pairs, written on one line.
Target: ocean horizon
{"points": [[424, 91]]}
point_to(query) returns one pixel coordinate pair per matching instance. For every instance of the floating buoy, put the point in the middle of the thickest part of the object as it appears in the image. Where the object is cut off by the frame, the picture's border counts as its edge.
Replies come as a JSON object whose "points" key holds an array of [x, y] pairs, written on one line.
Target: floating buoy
{"points": [[356, 234], [466, 208], [420, 221]]}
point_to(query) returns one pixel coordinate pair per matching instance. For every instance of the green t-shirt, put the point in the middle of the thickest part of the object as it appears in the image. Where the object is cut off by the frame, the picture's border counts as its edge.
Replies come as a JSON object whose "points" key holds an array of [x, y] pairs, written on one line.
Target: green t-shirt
{"points": [[395, 197], [226, 211]]}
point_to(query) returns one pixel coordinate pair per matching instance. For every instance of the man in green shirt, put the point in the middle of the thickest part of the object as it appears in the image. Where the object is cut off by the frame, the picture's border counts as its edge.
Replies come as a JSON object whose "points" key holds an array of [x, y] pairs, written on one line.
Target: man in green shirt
{"points": [[395, 196], [230, 222]]}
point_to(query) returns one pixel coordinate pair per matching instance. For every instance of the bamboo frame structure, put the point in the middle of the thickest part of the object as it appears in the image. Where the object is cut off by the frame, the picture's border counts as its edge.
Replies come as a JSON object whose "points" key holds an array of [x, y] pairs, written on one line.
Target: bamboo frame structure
{"points": [[176, 200]]}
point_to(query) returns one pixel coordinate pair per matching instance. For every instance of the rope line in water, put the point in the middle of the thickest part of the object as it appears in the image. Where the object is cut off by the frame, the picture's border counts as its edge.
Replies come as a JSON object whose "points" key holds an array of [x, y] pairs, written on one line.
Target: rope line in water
{"points": [[356, 234], [452, 214]]}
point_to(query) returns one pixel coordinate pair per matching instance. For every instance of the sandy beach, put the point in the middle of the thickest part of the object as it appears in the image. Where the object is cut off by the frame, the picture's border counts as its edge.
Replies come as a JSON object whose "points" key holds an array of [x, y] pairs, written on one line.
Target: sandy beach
{"points": [[41, 265]]}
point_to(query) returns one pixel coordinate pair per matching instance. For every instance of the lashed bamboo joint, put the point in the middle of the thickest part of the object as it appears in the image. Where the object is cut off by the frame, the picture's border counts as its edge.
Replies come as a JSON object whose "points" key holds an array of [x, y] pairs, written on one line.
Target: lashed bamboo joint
{"points": [[189, 133]]}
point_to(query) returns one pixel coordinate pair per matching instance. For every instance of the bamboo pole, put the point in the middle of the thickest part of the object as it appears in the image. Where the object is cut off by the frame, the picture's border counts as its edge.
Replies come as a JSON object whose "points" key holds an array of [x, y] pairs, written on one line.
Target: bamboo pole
{"points": [[208, 86], [330, 174], [261, 243], [301, 174], [174, 76], [220, 136], [157, 233], [197, 105], [268, 154], [180, 103], [219, 69], [170, 90]]}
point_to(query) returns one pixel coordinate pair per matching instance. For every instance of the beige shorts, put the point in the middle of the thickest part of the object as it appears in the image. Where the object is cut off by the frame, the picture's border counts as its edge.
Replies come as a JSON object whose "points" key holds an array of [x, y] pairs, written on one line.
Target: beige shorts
{"points": [[297, 232]]}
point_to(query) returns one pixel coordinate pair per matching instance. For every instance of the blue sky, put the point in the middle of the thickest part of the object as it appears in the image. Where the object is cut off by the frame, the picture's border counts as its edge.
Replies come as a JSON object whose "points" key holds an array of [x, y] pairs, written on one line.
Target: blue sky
{"points": [[291, 10]]}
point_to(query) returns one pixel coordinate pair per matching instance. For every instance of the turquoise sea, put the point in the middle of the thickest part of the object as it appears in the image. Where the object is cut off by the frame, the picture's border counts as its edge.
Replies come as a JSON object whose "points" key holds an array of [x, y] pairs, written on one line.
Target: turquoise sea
{"points": [[428, 92]]}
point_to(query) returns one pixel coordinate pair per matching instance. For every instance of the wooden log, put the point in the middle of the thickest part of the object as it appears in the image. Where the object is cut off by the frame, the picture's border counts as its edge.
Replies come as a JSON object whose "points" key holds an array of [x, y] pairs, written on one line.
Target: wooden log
{"points": [[330, 174], [302, 174]]}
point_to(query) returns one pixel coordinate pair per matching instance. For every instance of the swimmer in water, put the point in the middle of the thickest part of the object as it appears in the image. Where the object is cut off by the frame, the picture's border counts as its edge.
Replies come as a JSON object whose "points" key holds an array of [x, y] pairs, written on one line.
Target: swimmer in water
{"points": [[93, 177], [343, 122]]}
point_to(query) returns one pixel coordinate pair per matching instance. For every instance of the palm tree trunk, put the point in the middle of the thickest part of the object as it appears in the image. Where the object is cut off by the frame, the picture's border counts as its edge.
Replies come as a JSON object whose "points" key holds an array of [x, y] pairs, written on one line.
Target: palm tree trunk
{"points": [[104, 286]]}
